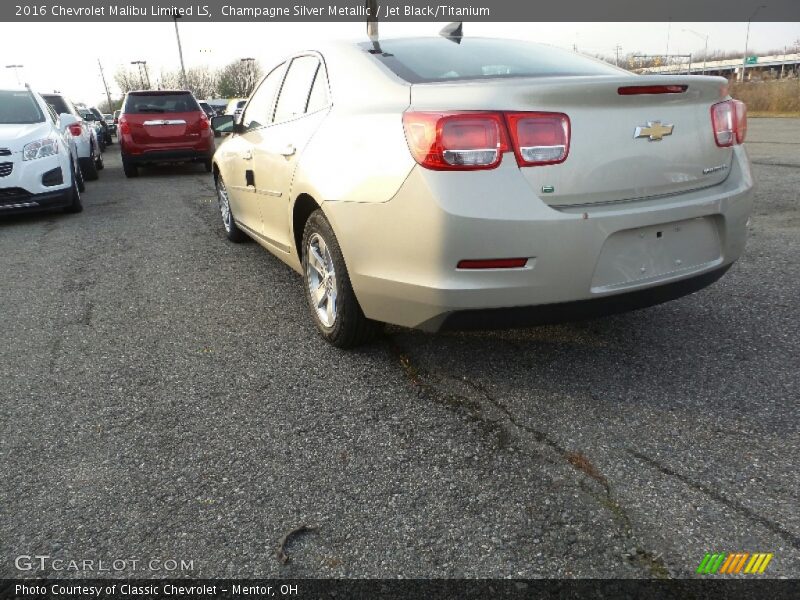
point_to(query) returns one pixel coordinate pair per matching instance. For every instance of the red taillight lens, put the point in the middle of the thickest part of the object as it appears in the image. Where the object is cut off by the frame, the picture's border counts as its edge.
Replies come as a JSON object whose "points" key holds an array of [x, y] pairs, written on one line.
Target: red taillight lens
{"points": [[636, 90], [740, 111], [124, 126], [729, 120], [204, 122], [493, 263], [456, 141], [539, 138], [75, 129]]}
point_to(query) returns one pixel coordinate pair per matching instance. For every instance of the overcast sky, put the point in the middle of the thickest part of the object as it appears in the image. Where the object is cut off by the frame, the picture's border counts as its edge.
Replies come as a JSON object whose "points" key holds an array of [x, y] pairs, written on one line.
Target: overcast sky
{"points": [[63, 56]]}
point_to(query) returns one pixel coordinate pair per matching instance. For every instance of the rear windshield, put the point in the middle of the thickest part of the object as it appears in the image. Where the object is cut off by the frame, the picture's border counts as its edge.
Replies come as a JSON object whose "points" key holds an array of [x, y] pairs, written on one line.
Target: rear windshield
{"points": [[58, 104], [426, 60], [179, 102], [18, 108]]}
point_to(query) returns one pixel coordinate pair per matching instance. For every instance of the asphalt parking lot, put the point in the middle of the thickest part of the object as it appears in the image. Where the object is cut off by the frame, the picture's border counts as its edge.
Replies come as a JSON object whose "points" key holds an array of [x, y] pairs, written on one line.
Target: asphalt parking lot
{"points": [[164, 395]]}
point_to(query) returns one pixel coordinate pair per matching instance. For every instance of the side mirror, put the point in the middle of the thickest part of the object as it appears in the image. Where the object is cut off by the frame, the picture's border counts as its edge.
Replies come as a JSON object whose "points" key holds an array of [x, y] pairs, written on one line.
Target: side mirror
{"points": [[67, 119], [224, 124]]}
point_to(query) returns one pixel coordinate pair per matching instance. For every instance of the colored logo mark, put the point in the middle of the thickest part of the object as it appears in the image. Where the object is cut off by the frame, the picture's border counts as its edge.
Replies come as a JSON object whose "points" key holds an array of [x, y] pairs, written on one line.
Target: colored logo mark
{"points": [[733, 563]]}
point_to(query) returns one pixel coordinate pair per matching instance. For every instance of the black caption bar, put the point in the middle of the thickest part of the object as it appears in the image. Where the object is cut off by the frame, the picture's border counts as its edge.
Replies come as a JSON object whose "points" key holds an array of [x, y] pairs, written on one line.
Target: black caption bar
{"points": [[376, 589], [408, 10]]}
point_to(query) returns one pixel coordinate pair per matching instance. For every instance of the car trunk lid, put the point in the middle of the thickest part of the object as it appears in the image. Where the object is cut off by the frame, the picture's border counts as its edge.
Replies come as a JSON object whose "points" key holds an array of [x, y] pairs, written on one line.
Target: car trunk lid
{"points": [[622, 146]]}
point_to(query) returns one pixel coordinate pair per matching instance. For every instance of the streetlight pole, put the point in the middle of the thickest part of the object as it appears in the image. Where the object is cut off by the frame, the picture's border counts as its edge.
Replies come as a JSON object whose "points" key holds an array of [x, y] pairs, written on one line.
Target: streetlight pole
{"points": [[705, 51], [16, 71], [747, 39], [175, 16], [139, 64]]}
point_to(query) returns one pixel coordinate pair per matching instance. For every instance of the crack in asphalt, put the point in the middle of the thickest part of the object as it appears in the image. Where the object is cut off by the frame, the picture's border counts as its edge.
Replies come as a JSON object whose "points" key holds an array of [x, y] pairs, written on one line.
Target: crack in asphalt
{"points": [[776, 528], [420, 379]]}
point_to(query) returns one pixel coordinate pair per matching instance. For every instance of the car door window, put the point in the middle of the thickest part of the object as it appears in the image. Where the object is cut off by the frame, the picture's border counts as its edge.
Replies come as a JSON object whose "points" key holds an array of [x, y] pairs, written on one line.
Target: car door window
{"points": [[259, 110], [296, 88], [318, 98]]}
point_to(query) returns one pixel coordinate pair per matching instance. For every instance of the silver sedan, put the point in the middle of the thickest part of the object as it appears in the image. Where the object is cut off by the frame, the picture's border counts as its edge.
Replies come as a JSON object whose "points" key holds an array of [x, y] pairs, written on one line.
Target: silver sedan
{"points": [[483, 184]]}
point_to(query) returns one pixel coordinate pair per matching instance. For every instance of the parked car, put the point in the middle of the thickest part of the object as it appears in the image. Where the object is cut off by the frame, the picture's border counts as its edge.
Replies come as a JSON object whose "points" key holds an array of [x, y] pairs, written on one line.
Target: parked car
{"points": [[89, 156], [100, 119], [38, 160], [88, 116], [235, 107], [112, 124], [163, 126], [210, 112], [488, 183]]}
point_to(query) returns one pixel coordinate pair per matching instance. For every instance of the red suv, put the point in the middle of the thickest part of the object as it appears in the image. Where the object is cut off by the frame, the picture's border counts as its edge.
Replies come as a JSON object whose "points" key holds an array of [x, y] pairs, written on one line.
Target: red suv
{"points": [[161, 127]]}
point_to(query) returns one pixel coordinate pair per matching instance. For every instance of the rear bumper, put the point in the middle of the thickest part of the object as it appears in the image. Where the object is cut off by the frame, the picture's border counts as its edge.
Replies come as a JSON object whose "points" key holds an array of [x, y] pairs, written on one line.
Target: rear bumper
{"points": [[578, 310], [402, 254], [169, 156], [15, 200]]}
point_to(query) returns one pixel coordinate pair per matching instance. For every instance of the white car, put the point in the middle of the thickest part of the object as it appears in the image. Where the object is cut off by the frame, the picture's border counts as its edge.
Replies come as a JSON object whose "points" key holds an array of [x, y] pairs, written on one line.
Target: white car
{"points": [[38, 160], [89, 155], [235, 107], [486, 183]]}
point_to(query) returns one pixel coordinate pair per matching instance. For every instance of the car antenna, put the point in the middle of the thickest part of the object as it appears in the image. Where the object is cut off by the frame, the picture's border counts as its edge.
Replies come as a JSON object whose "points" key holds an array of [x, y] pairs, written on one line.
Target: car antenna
{"points": [[372, 26], [453, 31]]}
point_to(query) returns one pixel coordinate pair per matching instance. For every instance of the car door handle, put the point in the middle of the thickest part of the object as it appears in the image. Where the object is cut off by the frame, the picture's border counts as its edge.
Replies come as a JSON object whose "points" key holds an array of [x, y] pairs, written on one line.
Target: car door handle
{"points": [[287, 150], [247, 155]]}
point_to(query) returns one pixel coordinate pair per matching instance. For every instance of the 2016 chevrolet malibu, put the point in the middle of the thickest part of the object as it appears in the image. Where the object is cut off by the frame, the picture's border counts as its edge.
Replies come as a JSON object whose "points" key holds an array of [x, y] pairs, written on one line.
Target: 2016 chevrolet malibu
{"points": [[486, 183]]}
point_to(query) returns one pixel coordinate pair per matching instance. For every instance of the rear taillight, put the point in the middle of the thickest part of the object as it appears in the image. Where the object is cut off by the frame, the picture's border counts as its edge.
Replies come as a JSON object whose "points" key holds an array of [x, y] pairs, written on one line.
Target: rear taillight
{"points": [[477, 140], [75, 129], [204, 122], [729, 121], [539, 138], [456, 141], [124, 126], [741, 121]]}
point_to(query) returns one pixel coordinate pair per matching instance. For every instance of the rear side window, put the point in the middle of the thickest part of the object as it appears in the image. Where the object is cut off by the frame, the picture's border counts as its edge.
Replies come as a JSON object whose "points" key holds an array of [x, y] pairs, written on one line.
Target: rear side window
{"points": [[296, 88], [19, 108], [59, 104], [318, 98], [160, 103], [259, 110], [427, 60]]}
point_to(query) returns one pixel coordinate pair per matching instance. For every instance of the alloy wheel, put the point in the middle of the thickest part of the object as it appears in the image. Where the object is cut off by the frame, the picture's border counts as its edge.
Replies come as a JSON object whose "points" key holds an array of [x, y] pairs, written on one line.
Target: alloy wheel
{"points": [[321, 280]]}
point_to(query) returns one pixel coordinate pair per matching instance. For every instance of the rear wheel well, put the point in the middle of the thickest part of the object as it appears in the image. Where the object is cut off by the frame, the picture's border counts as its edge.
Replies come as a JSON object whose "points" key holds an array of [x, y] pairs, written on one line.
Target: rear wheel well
{"points": [[303, 207]]}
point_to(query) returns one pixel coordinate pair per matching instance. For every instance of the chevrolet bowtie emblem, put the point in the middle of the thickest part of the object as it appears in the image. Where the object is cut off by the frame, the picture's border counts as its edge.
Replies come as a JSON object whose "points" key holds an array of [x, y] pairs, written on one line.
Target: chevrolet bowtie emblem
{"points": [[654, 131]]}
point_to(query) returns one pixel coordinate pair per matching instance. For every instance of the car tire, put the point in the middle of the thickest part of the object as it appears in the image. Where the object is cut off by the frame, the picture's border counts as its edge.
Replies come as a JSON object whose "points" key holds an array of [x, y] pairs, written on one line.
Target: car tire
{"points": [[326, 281], [76, 206], [99, 163], [232, 231], [130, 168], [89, 167]]}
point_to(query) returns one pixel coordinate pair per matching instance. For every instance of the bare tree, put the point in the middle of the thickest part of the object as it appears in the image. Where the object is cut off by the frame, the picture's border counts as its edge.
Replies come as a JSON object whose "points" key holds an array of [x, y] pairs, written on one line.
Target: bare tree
{"points": [[128, 80], [238, 79]]}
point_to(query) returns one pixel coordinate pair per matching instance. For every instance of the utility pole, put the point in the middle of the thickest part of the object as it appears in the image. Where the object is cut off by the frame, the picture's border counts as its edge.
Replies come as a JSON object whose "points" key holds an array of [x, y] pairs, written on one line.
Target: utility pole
{"points": [[105, 85], [747, 39], [251, 74], [705, 51], [175, 16], [617, 48]]}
